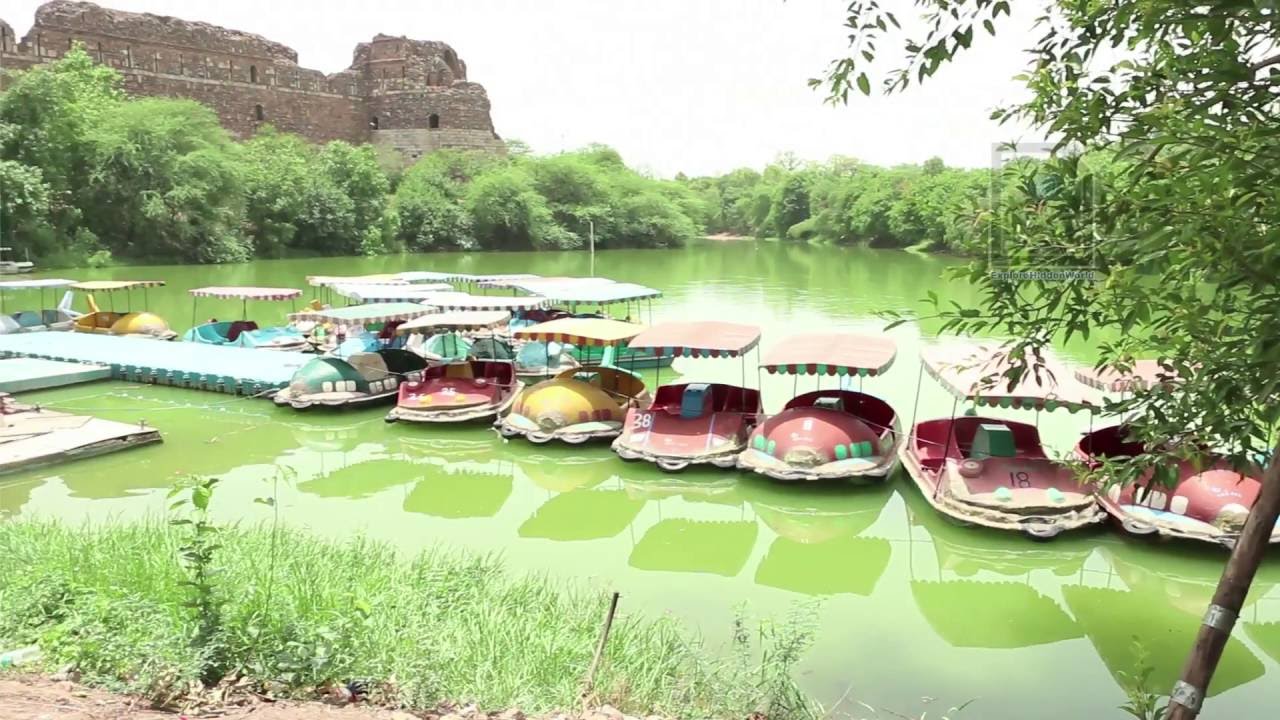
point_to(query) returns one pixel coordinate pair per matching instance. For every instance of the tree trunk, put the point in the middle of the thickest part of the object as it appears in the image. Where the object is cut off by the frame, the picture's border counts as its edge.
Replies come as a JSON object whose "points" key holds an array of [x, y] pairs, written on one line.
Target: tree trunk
{"points": [[1212, 639]]}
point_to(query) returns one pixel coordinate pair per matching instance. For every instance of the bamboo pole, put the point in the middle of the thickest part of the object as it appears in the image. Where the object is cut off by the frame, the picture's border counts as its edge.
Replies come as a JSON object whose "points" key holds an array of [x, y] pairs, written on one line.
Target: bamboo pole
{"points": [[1189, 692], [589, 685]]}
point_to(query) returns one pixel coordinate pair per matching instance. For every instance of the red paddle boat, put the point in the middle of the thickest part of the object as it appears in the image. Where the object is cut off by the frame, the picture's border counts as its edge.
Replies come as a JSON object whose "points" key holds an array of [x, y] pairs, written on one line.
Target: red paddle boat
{"points": [[1204, 498], [462, 391], [692, 422], [994, 472], [827, 434]]}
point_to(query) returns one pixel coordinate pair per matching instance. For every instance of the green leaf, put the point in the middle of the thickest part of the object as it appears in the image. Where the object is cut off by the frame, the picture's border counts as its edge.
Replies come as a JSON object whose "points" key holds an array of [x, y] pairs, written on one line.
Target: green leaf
{"points": [[864, 84]]}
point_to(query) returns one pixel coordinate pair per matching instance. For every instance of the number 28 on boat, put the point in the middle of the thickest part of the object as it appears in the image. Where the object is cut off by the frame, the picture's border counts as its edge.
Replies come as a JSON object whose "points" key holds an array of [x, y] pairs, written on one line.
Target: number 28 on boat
{"points": [[692, 422]]}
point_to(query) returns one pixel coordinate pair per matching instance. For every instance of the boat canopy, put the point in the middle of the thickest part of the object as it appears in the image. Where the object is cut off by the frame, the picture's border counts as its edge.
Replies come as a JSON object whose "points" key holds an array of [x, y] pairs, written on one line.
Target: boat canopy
{"points": [[500, 279], [582, 331], [247, 293], [430, 276], [331, 280], [363, 314], [458, 321], [389, 293], [699, 339], [1143, 375], [832, 354], [976, 372], [465, 301], [41, 284], [592, 293], [114, 285]]}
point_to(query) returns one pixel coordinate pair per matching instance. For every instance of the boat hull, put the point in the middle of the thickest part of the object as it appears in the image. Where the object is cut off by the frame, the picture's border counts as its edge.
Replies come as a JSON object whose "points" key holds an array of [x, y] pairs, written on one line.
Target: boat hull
{"points": [[825, 435], [457, 393], [1206, 504], [1026, 493], [572, 410]]}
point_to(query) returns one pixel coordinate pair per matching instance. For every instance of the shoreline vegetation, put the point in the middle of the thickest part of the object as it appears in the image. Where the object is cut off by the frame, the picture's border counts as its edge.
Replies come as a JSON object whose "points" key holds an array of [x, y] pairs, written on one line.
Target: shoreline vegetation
{"points": [[89, 177], [174, 612]]}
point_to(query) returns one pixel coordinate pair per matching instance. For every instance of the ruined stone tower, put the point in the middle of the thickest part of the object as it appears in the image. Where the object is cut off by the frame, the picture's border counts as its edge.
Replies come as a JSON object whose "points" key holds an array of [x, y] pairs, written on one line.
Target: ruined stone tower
{"points": [[411, 95]]}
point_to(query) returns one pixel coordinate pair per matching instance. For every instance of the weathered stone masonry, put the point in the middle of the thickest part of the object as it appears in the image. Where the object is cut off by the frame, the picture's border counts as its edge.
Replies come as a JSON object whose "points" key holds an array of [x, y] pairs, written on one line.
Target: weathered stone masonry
{"points": [[411, 95]]}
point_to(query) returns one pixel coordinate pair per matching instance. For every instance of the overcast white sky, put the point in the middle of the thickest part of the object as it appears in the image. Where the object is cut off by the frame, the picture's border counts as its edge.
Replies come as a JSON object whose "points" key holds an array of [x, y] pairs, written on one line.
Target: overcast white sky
{"points": [[700, 86]]}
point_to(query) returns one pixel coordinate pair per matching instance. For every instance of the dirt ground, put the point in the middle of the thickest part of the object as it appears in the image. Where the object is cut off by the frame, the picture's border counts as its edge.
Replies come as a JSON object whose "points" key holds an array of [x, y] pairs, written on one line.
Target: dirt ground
{"points": [[29, 698]]}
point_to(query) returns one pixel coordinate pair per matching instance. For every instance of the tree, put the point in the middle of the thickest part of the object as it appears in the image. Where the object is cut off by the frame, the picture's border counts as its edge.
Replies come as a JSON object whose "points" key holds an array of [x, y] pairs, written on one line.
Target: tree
{"points": [[165, 183], [1185, 230]]}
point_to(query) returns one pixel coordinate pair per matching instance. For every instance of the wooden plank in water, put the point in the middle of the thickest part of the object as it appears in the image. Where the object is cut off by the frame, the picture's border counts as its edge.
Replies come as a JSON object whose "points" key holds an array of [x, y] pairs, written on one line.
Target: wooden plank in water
{"points": [[25, 374], [31, 438]]}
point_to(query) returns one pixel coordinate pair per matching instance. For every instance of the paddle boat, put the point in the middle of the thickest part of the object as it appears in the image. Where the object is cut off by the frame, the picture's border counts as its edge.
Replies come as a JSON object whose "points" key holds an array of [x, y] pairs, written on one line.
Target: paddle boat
{"points": [[362, 293], [1200, 498], [360, 380], [573, 295], [535, 360], [994, 472], [45, 317], [245, 332], [579, 404], [827, 434], [109, 322], [693, 423], [356, 328], [461, 390]]}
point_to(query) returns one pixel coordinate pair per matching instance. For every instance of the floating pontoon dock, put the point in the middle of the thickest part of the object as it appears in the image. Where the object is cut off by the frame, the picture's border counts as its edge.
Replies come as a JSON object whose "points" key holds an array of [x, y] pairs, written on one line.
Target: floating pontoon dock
{"points": [[21, 374], [32, 436], [220, 368]]}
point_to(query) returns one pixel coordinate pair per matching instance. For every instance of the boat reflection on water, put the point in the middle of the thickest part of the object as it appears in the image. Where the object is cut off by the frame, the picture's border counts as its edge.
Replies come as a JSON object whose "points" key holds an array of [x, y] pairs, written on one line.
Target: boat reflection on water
{"points": [[582, 514], [983, 590], [361, 480], [561, 469], [458, 482], [14, 495], [821, 548], [1173, 599], [692, 545]]}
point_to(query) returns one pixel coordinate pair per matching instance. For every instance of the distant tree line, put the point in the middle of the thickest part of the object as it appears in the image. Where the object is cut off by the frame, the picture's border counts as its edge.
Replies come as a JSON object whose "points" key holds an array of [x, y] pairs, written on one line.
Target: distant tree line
{"points": [[844, 201], [88, 175]]}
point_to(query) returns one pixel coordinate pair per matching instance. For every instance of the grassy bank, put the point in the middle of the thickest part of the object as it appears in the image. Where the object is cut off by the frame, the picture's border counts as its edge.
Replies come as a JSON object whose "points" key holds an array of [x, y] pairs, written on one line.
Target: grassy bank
{"points": [[294, 614]]}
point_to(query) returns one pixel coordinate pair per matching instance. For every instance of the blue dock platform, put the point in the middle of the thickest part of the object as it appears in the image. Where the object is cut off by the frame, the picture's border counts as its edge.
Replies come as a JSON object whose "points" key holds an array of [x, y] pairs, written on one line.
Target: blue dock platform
{"points": [[235, 370]]}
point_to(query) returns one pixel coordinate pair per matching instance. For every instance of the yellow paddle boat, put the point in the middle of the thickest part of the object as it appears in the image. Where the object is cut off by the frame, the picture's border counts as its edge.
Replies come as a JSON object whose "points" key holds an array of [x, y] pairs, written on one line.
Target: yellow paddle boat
{"points": [[110, 322], [578, 404]]}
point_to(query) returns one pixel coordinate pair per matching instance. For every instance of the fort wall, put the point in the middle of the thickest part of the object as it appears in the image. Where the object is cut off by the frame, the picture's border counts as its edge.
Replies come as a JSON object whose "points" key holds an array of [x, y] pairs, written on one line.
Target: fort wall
{"points": [[408, 88]]}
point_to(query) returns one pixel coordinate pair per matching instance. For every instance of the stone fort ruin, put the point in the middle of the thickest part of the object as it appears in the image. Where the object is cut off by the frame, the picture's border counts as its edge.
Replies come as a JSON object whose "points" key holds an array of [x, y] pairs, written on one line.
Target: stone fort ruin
{"points": [[410, 95]]}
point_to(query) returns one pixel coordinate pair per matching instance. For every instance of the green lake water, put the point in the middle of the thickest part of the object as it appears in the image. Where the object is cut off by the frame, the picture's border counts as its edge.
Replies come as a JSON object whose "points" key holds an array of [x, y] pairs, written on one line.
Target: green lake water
{"points": [[914, 614]]}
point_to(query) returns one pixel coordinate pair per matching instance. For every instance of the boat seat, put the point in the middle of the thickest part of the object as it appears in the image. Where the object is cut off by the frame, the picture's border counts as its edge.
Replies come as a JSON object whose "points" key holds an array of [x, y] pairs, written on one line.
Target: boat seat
{"points": [[239, 326], [829, 403], [459, 371], [992, 440], [695, 401]]}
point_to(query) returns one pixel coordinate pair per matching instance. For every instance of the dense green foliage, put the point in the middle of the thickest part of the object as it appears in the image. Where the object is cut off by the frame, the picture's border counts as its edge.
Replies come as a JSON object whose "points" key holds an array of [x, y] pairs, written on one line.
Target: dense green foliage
{"points": [[1180, 230], [149, 608], [844, 201], [86, 174]]}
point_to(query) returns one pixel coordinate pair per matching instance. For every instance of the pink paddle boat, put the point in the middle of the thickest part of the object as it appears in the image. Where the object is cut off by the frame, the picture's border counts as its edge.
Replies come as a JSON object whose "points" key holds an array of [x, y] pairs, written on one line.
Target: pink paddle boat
{"points": [[1203, 499], [461, 391], [827, 434], [693, 422], [994, 472]]}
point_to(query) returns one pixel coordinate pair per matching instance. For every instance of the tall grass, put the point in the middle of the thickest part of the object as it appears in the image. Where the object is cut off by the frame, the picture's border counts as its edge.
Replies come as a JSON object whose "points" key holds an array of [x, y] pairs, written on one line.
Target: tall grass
{"points": [[296, 614]]}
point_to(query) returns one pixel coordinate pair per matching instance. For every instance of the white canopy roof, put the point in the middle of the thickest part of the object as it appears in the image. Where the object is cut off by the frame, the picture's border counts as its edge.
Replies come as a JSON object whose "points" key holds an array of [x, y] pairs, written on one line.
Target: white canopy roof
{"points": [[36, 284]]}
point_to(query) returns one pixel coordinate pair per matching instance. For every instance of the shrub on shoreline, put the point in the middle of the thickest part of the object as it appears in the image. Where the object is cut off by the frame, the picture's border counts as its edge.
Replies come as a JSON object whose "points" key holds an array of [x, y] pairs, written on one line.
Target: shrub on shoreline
{"points": [[297, 614]]}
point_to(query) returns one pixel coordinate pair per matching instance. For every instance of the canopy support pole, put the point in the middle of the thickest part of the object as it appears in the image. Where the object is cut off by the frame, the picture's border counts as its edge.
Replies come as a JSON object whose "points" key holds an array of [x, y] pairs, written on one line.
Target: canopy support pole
{"points": [[915, 408], [946, 445]]}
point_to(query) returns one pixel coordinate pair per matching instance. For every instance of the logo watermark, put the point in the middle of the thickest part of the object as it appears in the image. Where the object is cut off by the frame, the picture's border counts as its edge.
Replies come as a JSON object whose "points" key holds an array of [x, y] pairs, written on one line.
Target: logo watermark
{"points": [[1007, 254]]}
